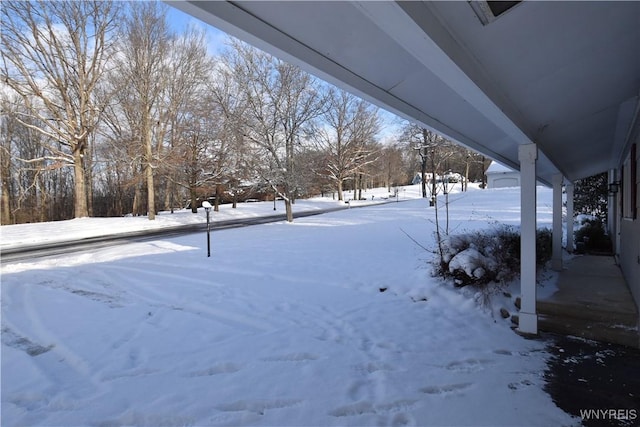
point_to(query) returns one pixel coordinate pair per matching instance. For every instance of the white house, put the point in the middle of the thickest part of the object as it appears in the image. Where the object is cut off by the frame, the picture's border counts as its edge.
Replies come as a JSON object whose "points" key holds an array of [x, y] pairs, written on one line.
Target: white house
{"points": [[551, 89], [417, 178], [499, 176]]}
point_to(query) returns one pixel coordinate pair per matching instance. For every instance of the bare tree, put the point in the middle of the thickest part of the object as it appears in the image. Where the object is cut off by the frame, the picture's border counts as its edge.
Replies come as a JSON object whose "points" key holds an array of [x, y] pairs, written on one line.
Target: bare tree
{"points": [[281, 103], [184, 99], [54, 54], [198, 146], [142, 73], [121, 149], [391, 166], [7, 130], [30, 191], [234, 157], [434, 151], [349, 126]]}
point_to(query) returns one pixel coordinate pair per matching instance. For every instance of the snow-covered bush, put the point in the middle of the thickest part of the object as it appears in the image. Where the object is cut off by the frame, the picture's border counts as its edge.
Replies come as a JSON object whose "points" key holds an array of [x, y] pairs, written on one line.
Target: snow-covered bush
{"points": [[591, 235], [484, 256]]}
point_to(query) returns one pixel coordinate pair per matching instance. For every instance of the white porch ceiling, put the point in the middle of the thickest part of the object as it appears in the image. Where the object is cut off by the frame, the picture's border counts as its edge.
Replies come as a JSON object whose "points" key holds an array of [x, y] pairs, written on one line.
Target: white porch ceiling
{"points": [[565, 75]]}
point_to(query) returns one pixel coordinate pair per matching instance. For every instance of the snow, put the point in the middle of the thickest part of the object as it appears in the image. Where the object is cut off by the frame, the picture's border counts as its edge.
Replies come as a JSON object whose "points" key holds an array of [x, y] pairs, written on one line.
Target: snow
{"points": [[472, 262], [331, 320], [496, 167], [80, 228]]}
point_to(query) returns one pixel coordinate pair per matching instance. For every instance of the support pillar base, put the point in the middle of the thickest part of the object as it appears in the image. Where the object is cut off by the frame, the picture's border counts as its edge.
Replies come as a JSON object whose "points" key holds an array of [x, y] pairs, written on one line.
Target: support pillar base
{"points": [[528, 323]]}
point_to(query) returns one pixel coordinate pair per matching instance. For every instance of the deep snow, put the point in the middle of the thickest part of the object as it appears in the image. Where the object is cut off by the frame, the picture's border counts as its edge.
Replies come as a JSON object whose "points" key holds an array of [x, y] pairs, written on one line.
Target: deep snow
{"points": [[285, 324]]}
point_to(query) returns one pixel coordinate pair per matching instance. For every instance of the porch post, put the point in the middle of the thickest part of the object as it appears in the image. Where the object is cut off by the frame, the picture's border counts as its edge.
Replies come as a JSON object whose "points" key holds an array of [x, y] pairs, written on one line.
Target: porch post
{"points": [[569, 188], [528, 318], [556, 249]]}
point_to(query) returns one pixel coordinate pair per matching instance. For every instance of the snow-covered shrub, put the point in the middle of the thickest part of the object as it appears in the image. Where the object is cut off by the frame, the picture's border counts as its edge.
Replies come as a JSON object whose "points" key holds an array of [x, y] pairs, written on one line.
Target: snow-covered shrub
{"points": [[591, 234], [484, 256]]}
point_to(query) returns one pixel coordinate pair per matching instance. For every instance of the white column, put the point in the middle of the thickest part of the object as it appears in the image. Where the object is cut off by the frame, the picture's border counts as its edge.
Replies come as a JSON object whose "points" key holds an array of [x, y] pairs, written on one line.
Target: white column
{"points": [[569, 188], [528, 319], [556, 248]]}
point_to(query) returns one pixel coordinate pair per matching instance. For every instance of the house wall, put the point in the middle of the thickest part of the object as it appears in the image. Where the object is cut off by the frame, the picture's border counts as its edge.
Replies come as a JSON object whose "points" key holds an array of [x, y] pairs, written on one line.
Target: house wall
{"points": [[630, 256], [502, 180]]}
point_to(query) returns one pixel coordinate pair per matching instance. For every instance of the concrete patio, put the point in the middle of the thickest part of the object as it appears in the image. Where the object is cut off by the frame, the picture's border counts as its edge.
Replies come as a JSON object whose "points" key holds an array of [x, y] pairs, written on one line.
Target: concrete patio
{"points": [[593, 301]]}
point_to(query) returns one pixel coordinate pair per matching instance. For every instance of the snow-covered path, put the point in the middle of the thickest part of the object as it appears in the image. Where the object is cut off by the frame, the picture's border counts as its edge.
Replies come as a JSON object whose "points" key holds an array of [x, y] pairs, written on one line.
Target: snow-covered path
{"points": [[285, 324]]}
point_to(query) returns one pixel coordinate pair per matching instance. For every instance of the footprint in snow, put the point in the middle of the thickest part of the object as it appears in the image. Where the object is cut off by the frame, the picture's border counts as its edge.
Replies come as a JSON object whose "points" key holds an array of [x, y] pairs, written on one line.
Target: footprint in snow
{"points": [[518, 385], [14, 340], [447, 389], [364, 407], [257, 406], [371, 367], [468, 365], [357, 390], [223, 368], [292, 357]]}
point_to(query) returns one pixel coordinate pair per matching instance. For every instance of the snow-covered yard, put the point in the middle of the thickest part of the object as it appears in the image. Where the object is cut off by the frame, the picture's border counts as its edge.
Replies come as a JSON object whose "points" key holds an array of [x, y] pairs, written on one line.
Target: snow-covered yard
{"points": [[332, 320]]}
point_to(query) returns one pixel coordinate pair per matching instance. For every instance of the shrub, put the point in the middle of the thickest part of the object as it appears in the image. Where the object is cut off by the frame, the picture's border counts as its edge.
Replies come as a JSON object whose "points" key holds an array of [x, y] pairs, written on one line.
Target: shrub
{"points": [[544, 246], [592, 235], [481, 257]]}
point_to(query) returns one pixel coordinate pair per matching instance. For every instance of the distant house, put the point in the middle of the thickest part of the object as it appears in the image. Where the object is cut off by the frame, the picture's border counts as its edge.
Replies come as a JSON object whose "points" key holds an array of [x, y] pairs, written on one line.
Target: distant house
{"points": [[499, 176], [417, 178]]}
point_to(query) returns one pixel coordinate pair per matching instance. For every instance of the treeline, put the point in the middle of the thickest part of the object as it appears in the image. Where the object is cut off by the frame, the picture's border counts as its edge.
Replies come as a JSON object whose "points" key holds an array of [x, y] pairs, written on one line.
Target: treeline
{"points": [[106, 111]]}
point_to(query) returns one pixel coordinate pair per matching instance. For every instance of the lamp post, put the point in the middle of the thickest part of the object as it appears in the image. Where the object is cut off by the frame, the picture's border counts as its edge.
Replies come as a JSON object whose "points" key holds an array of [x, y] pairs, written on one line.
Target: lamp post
{"points": [[207, 207]]}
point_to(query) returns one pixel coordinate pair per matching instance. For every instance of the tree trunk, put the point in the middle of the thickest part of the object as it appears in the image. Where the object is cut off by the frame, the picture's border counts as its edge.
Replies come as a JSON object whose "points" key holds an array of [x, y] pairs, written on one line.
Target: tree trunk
{"points": [[423, 172], [194, 201], [151, 193], [42, 204], [465, 183], [216, 202], [433, 178], [80, 190], [287, 206], [6, 217], [340, 197], [355, 186], [168, 195], [88, 166], [136, 200]]}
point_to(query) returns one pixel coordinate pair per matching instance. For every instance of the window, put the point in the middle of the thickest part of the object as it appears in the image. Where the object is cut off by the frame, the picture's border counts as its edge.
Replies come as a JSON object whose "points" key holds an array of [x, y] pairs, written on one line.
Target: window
{"points": [[500, 7], [489, 11]]}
